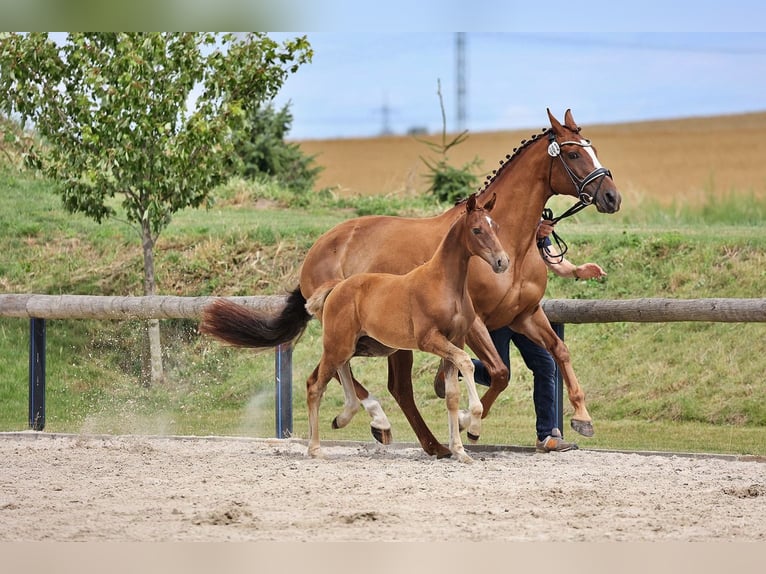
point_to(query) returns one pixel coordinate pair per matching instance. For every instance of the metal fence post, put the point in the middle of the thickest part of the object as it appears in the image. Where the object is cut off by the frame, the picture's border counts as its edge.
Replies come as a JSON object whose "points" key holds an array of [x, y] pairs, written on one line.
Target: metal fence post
{"points": [[559, 392], [283, 369], [37, 374]]}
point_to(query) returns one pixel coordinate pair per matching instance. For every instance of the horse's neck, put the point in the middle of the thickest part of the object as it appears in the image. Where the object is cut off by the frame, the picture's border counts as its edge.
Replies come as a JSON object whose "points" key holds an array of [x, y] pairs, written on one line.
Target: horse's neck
{"points": [[522, 192], [449, 263]]}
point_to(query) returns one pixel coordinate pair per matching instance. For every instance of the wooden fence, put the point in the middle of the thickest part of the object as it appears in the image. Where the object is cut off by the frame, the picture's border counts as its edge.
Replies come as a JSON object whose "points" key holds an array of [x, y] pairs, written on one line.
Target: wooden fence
{"points": [[38, 308]]}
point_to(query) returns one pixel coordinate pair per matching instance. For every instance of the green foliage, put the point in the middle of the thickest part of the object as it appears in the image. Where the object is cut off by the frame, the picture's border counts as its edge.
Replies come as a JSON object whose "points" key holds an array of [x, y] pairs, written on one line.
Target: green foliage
{"points": [[260, 149], [448, 183], [14, 144], [113, 110]]}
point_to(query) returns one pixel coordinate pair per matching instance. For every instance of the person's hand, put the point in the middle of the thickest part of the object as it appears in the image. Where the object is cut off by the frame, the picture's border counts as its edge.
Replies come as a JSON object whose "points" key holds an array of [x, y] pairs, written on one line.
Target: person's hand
{"points": [[544, 229], [589, 271]]}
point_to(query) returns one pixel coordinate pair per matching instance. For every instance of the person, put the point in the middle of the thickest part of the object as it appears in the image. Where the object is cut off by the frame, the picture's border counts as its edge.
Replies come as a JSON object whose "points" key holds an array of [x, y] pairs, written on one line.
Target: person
{"points": [[537, 358]]}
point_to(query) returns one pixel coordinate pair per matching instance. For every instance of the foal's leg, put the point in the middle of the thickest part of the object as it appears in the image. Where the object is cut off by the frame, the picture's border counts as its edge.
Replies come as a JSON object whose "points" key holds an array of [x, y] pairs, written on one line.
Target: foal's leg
{"points": [[380, 426], [460, 360], [471, 419], [456, 358], [452, 399], [314, 390], [352, 403], [335, 355], [480, 342]]}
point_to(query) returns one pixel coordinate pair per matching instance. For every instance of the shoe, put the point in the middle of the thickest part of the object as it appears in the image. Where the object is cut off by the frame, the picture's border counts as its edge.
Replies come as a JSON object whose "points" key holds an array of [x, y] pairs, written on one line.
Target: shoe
{"points": [[439, 381], [554, 442]]}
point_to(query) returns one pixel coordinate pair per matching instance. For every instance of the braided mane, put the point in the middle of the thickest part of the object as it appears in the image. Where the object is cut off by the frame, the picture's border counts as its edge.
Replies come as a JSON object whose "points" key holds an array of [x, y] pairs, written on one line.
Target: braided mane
{"points": [[504, 163], [508, 158]]}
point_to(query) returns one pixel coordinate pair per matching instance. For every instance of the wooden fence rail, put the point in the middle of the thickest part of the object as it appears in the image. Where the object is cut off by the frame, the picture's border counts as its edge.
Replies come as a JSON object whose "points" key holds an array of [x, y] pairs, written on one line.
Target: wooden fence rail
{"points": [[649, 310], [38, 308]]}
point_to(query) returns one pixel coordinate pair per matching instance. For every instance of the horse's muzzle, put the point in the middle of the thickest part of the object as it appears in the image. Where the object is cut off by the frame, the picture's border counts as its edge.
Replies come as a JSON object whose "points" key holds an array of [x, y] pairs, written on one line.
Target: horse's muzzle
{"points": [[608, 201], [501, 264]]}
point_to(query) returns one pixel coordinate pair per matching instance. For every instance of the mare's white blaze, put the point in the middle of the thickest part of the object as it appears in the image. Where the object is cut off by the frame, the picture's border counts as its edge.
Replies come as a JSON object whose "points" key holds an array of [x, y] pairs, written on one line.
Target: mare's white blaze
{"points": [[587, 147]]}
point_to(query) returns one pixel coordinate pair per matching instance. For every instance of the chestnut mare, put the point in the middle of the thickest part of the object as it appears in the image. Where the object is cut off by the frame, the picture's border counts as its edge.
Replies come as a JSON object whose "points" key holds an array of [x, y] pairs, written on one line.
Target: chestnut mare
{"points": [[427, 309], [560, 161]]}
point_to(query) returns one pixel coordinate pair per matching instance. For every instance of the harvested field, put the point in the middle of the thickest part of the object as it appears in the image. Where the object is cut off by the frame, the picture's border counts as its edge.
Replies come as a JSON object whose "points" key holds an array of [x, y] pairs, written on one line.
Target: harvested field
{"points": [[682, 160]]}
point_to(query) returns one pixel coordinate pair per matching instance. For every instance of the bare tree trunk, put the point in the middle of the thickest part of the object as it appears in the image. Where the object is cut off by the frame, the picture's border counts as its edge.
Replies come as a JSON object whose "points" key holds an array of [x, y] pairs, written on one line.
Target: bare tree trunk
{"points": [[156, 375]]}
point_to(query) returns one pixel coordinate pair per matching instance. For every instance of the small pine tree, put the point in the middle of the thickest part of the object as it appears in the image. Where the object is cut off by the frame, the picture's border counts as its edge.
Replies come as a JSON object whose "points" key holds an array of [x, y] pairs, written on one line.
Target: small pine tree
{"points": [[448, 183]]}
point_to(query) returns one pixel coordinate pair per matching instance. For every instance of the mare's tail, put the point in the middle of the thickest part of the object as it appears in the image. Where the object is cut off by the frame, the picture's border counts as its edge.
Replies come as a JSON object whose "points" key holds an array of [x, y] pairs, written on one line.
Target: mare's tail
{"points": [[248, 327]]}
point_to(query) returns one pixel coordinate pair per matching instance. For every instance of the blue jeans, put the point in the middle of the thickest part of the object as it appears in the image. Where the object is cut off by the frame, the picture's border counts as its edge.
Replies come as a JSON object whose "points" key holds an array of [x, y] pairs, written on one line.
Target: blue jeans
{"points": [[544, 371]]}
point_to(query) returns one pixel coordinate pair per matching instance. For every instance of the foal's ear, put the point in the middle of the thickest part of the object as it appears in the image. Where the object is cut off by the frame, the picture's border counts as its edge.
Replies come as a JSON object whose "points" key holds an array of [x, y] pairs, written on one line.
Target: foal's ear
{"points": [[470, 204], [491, 203]]}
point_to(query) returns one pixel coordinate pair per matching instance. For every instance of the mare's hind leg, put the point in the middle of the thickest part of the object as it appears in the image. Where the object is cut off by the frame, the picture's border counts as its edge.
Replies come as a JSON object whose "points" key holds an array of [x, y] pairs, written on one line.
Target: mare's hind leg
{"points": [[351, 403], [400, 386]]}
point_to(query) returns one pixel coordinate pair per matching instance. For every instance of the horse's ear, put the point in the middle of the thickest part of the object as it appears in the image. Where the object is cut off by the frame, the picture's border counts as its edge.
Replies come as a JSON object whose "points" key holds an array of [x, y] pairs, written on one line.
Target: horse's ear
{"points": [[470, 203], [491, 203], [569, 121], [555, 124]]}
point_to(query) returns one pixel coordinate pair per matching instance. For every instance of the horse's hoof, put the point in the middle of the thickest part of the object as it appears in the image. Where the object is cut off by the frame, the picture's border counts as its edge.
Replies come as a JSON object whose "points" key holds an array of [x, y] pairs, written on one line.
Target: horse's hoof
{"points": [[585, 428], [463, 457], [472, 437], [443, 454], [335, 423], [383, 436]]}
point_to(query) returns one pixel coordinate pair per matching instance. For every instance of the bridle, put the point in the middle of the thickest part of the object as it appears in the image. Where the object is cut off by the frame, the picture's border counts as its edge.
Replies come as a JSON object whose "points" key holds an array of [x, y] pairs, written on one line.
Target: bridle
{"points": [[584, 198]]}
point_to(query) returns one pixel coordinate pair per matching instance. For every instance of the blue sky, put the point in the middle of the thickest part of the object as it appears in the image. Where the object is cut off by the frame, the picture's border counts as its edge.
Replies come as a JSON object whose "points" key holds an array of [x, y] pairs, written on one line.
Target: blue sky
{"points": [[362, 82], [376, 64]]}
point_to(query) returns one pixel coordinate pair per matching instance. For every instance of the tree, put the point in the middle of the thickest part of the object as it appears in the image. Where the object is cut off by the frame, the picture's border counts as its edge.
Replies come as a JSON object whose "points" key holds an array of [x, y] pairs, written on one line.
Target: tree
{"points": [[120, 119], [261, 149]]}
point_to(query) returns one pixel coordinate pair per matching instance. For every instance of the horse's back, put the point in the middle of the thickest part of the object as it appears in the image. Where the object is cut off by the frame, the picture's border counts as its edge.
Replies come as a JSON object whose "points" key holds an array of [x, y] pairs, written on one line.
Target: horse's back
{"points": [[372, 244]]}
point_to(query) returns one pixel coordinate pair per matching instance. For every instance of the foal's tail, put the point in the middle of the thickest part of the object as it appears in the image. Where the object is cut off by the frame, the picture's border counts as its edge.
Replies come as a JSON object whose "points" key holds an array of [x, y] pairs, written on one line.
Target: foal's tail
{"points": [[247, 327], [315, 303]]}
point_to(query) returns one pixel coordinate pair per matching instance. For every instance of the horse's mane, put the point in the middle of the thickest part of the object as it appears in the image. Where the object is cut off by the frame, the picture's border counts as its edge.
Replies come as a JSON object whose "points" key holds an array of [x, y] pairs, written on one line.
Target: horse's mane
{"points": [[508, 159]]}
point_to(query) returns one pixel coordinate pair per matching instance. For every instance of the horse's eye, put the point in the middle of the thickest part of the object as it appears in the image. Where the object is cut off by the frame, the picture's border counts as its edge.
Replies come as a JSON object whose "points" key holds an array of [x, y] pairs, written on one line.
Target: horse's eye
{"points": [[476, 231], [573, 155]]}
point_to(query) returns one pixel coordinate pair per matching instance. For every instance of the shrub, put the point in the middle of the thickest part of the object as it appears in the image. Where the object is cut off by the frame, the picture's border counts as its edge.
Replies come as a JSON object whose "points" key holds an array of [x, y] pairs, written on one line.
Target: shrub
{"points": [[261, 149]]}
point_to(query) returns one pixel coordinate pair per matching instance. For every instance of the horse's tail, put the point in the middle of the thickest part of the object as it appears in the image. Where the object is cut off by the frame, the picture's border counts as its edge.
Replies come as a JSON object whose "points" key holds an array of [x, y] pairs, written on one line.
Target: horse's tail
{"points": [[247, 327], [315, 303]]}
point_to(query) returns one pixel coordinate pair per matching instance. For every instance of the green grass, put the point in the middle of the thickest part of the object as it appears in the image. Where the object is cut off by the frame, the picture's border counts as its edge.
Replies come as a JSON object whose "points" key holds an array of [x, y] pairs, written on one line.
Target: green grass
{"points": [[676, 386]]}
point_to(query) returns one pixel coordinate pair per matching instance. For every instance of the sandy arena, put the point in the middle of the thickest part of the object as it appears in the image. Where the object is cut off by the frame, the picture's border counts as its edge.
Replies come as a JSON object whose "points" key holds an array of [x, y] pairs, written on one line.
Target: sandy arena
{"points": [[134, 488]]}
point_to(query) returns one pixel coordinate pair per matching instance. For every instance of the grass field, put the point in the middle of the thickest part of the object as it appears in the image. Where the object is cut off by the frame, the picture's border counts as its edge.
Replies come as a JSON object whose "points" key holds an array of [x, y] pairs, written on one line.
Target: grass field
{"points": [[694, 202]]}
